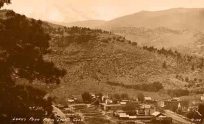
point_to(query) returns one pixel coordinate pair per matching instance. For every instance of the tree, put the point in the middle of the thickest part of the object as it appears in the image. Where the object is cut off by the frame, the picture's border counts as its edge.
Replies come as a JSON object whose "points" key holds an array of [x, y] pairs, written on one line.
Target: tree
{"points": [[124, 96], [187, 79], [201, 109], [156, 86], [23, 44], [201, 63], [140, 97], [116, 97], [164, 65], [99, 96], [86, 96], [193, 67], [134, 43], [130, 107], [2, 2], [193, 114]]}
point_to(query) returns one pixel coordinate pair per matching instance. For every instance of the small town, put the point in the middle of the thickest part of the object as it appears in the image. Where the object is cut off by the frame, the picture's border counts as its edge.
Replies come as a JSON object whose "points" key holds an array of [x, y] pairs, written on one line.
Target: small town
{"points": [[119, 109]]}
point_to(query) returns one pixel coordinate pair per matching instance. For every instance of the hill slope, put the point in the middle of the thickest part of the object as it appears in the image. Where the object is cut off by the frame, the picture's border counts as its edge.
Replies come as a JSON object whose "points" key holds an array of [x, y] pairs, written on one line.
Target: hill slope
{"points": [[100, 61]]}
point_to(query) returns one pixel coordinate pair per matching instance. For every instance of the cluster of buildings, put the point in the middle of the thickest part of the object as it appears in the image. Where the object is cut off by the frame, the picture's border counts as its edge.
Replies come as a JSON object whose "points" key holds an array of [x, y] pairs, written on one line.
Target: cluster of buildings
{"points": [[134, 111], [152, 111]]}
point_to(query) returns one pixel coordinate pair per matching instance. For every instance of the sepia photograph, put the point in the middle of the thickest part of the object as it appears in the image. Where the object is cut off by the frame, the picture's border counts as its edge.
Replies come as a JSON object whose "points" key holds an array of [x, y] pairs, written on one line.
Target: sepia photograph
{"points": [[101, 61]]}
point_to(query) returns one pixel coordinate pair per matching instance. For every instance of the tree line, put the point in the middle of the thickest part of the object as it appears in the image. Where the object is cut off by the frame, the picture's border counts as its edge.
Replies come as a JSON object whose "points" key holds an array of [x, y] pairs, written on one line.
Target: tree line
{"points": [[153, 87], [194, 61]]}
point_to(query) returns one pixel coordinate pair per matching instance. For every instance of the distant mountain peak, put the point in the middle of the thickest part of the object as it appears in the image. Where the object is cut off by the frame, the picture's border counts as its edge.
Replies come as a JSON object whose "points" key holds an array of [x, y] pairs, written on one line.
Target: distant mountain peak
{"points": [[176, 18]]}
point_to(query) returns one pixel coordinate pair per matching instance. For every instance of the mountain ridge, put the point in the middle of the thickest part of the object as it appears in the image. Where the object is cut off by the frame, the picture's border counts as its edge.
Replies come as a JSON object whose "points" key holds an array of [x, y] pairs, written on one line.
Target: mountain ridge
{"points": [[142, 18]]}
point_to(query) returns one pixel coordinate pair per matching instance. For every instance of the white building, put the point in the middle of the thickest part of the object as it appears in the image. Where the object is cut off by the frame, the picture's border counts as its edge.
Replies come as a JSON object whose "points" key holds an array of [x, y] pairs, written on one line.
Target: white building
{"points": [[202, 98]]}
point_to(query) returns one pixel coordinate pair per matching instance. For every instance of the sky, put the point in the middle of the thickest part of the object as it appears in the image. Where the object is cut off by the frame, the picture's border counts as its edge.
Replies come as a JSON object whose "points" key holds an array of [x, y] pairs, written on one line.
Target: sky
{"points": [[79, 10]]}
